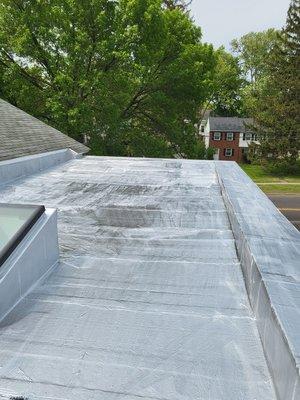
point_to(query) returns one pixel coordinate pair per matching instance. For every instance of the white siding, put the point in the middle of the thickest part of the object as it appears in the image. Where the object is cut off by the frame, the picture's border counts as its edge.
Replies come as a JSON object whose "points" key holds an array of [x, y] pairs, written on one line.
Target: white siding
{"points": [[245, 143]]}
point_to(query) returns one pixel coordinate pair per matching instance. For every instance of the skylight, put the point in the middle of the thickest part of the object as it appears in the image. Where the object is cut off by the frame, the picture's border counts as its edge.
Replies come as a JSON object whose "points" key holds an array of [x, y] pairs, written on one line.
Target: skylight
{"points": [[15, 223]]}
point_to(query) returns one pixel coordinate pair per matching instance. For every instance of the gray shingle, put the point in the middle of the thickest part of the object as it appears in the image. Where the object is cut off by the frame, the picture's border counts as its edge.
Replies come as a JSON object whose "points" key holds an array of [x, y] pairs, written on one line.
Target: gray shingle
{"points": [[231, 124], [23, 135]]}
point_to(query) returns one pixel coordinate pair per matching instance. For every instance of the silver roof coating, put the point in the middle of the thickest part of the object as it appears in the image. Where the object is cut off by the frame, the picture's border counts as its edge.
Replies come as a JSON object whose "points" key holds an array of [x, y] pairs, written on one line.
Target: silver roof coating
{"points": [[21, 135], [269, 249], [149, 300]]}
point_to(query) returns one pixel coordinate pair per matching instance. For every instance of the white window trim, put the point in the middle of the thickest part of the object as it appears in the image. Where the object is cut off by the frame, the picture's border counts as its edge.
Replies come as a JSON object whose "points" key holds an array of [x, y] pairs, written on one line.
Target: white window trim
{"points": [[231, 152], [232, 136], [250, 137], [217, 133]]}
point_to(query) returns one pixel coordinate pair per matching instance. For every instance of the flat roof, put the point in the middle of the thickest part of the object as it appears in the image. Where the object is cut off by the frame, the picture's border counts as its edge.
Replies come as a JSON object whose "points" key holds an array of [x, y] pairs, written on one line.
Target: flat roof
{"points": [[149, 300]]}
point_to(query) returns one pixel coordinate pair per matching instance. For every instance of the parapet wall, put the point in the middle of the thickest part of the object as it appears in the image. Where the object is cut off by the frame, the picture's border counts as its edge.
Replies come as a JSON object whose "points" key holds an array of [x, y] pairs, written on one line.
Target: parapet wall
{"points": [[268, 247], [16, 168]]}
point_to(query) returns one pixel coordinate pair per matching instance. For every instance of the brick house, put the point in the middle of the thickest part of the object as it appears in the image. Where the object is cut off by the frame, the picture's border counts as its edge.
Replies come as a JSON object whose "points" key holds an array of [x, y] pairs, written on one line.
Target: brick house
{"points": [[230, 136]]}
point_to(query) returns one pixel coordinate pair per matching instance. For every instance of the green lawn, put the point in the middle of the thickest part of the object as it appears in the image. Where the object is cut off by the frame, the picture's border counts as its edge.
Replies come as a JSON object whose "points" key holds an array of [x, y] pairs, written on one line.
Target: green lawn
{"points": [[271, 183], [281, 189]]}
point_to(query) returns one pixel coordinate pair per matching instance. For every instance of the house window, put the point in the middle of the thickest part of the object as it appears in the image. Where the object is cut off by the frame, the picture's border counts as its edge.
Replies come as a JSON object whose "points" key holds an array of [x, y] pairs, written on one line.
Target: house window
{"points": [[229, 136], [217, 136], [247, 136], [228, 152]]}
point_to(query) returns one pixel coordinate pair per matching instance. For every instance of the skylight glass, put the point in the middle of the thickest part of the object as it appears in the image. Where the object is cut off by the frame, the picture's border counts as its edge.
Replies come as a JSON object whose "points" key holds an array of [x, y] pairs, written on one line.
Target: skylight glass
{"points": [[15, 222]]}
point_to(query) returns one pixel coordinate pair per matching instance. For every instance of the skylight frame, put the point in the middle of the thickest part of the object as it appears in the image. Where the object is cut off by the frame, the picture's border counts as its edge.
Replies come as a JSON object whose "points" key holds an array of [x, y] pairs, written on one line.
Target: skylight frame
{"points": [[16, 239]]}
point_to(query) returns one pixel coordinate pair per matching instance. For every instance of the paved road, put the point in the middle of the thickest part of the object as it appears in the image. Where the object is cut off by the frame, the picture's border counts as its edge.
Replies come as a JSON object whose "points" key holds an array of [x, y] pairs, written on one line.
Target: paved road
{"points": [[289, 205]]}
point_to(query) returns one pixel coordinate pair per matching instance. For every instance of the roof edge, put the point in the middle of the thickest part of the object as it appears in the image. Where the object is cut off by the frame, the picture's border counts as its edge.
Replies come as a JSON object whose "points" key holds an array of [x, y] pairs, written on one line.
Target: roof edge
{"points": [[258, 237], [16, 168]]}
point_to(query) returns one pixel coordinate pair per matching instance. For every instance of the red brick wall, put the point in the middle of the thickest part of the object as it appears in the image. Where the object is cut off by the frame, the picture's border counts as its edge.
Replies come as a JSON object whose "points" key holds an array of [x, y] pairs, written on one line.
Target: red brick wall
{"points": [[224, 144]]}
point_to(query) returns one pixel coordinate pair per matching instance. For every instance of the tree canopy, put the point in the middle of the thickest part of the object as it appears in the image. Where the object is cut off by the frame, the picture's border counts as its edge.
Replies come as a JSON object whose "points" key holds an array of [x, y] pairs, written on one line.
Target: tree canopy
{"points": [[253, 51], [131, 74], [275, 102], [228, 83], [181, 4]]}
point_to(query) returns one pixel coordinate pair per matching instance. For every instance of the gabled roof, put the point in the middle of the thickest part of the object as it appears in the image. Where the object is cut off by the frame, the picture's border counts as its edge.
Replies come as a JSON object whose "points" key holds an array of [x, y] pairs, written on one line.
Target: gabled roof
{"points": [[233, 124], [23, 135]]}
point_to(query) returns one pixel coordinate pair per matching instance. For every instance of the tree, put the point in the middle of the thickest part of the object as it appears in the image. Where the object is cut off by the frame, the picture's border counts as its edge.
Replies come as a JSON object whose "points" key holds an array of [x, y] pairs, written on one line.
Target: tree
{"points": [[227, 85], [253, 50], [226, 88], [129, 73], [181, 4], [276, 104]]}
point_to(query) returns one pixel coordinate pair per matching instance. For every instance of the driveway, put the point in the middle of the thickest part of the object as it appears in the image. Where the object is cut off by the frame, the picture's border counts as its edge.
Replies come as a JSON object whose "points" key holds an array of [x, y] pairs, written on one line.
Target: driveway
{"points": [[289, 205]]}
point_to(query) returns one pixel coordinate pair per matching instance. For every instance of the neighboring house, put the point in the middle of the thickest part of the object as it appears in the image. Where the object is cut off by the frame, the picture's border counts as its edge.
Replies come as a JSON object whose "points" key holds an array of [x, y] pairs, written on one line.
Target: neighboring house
{"points": [[204, 119], [230, 136]]}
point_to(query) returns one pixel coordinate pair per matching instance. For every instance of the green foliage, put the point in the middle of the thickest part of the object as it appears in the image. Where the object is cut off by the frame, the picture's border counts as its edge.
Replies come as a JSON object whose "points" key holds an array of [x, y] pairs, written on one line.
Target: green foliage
{"points": [[200, 152], [275, 178], [270, 61], [253, 51], [181, 4], [210, 152], [129, 73], [275, 99], [283, 167], [227, 85], [270, 173]]}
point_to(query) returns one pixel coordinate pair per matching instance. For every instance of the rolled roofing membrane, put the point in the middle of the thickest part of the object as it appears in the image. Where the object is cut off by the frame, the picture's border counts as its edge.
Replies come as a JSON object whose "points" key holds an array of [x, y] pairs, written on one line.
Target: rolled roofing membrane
{"points": [[149, 300]]}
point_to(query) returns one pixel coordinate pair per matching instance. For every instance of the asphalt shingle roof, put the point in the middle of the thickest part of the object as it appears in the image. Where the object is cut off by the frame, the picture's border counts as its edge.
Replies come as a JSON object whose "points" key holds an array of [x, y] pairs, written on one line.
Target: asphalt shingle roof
{"points": [[23, 135], [233, 124]]}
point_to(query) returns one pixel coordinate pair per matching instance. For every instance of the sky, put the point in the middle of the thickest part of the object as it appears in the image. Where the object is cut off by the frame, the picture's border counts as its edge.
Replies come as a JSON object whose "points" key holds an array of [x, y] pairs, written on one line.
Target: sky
{"points": [[224, 20]]}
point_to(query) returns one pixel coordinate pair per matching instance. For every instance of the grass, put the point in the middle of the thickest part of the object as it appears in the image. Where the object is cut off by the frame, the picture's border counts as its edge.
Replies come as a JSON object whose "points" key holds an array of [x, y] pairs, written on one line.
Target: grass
{"points": [[273, 183], [280, 189]]}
